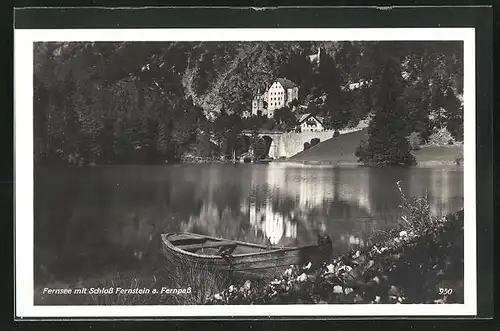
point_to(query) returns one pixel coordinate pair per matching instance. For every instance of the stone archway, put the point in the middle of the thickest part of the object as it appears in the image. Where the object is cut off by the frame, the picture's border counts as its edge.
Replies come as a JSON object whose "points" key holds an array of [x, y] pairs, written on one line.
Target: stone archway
{"points": [[270, 147], [244, 143], [262, 147]]}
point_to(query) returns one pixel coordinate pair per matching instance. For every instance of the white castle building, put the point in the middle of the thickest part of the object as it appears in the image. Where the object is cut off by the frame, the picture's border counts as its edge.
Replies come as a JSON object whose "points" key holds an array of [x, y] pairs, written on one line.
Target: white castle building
{"points": [[281, 93]]}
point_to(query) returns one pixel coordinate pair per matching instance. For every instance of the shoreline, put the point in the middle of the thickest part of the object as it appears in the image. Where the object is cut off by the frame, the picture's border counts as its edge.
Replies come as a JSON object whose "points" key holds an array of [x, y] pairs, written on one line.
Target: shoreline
{"points": [[422, 164], [375, 273], [428, 156], [426, 164]]}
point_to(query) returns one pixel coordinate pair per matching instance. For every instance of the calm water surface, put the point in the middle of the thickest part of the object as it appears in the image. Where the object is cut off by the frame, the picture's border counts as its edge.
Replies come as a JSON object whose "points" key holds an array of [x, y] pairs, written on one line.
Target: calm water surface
{"points": [[98, 220]]}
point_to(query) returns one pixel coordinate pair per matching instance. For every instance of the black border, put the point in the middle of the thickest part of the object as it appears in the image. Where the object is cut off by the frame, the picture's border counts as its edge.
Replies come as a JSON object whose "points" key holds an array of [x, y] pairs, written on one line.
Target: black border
{"points": [[478, 17], [248, 17]]}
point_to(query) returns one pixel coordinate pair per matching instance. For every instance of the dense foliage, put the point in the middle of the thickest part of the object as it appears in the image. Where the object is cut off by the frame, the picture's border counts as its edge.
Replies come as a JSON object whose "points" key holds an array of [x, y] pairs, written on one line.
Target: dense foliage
{"points": [[111, 103], [141, 102], [387, 144], [413, 264]]}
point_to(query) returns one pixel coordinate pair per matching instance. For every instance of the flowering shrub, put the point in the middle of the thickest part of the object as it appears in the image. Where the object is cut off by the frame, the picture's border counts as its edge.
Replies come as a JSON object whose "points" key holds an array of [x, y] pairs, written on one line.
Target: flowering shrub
{"points": [[416, 212], [408, 267]]}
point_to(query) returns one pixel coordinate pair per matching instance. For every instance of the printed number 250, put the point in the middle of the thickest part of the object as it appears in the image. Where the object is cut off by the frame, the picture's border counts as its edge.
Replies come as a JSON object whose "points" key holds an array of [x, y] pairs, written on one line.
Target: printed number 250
{"points": [[445, 291]]}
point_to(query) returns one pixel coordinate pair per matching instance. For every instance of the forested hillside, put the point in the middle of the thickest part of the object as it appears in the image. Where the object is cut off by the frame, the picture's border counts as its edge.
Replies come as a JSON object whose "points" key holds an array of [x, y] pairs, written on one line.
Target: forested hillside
{"points": [[147, 102]]}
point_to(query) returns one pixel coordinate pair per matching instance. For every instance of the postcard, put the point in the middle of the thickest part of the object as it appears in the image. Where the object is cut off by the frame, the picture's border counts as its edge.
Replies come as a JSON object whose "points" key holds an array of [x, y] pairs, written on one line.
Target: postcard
{"points": [[245, 172]]}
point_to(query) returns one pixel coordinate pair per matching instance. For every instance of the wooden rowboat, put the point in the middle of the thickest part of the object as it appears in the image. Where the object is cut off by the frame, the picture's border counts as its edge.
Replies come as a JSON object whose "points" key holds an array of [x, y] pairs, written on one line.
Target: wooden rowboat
{"points": [[234, 257]]}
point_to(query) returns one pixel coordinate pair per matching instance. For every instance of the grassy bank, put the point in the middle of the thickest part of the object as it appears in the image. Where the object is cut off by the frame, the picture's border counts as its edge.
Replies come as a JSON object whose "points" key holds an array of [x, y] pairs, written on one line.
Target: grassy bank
{"points": [[167, 286], [340, 151], [413, 264]]}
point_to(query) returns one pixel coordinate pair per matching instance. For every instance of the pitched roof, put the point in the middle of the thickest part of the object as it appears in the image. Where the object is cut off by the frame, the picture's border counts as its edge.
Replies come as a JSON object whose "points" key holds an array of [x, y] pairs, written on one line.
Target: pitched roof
{"points": [[304, 117], [286, 83]]}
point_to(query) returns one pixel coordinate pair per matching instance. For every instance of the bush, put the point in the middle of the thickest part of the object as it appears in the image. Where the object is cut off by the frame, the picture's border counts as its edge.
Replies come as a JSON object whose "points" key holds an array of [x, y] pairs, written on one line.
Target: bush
{"points": [[382, 272], [307, 146], [383, 158], [361, 151], [315, 141], [414, 140], [415, 212]]}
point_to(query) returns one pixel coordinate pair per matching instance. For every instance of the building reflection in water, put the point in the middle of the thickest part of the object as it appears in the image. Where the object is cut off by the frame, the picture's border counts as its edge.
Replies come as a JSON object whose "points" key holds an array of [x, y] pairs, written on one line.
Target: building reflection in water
{"points": [[314, 193], [123, 208], [352, 240], [276, 226], [289, 205]]}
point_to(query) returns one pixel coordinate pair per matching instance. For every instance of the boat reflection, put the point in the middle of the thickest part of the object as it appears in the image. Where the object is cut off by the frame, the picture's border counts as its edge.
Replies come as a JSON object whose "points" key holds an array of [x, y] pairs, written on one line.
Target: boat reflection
{"points": [[120, 209]]}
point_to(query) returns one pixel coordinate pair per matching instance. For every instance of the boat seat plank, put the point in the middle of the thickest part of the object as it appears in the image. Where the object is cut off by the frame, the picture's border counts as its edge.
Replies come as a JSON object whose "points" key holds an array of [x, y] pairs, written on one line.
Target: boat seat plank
{"points": [[195, 247], [188, 241], [182, 236]]}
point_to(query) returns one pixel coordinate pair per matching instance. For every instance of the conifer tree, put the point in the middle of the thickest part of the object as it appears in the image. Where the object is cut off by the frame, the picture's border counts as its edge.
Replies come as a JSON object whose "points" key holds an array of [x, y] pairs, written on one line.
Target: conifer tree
{"points": [[454, 115], [387, 143]]}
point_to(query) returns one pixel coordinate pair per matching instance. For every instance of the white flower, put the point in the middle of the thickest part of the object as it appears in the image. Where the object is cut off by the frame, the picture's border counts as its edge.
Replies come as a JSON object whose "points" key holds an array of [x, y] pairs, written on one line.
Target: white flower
{"points": [[403, 234], [247, 284], [358, 253], [218, 297], [345, 268], [337, 289], [288, 272], [232, 288], [347, 290], [377, 299], [302, 277], [275, 282], [308, 266], [330, 268]]}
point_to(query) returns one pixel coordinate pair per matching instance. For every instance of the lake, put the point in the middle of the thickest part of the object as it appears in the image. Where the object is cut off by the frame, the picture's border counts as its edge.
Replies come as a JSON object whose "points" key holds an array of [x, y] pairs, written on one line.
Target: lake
{"points": [[93, 221]]}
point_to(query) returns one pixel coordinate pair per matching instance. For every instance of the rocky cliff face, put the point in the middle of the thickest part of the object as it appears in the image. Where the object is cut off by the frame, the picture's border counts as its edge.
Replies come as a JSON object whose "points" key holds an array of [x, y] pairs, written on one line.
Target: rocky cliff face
{"points": [[228, 75]]}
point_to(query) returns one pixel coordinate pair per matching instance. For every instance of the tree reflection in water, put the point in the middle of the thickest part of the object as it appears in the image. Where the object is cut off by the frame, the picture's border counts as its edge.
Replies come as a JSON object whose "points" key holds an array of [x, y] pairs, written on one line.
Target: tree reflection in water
{"points": [[109, 218]]}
